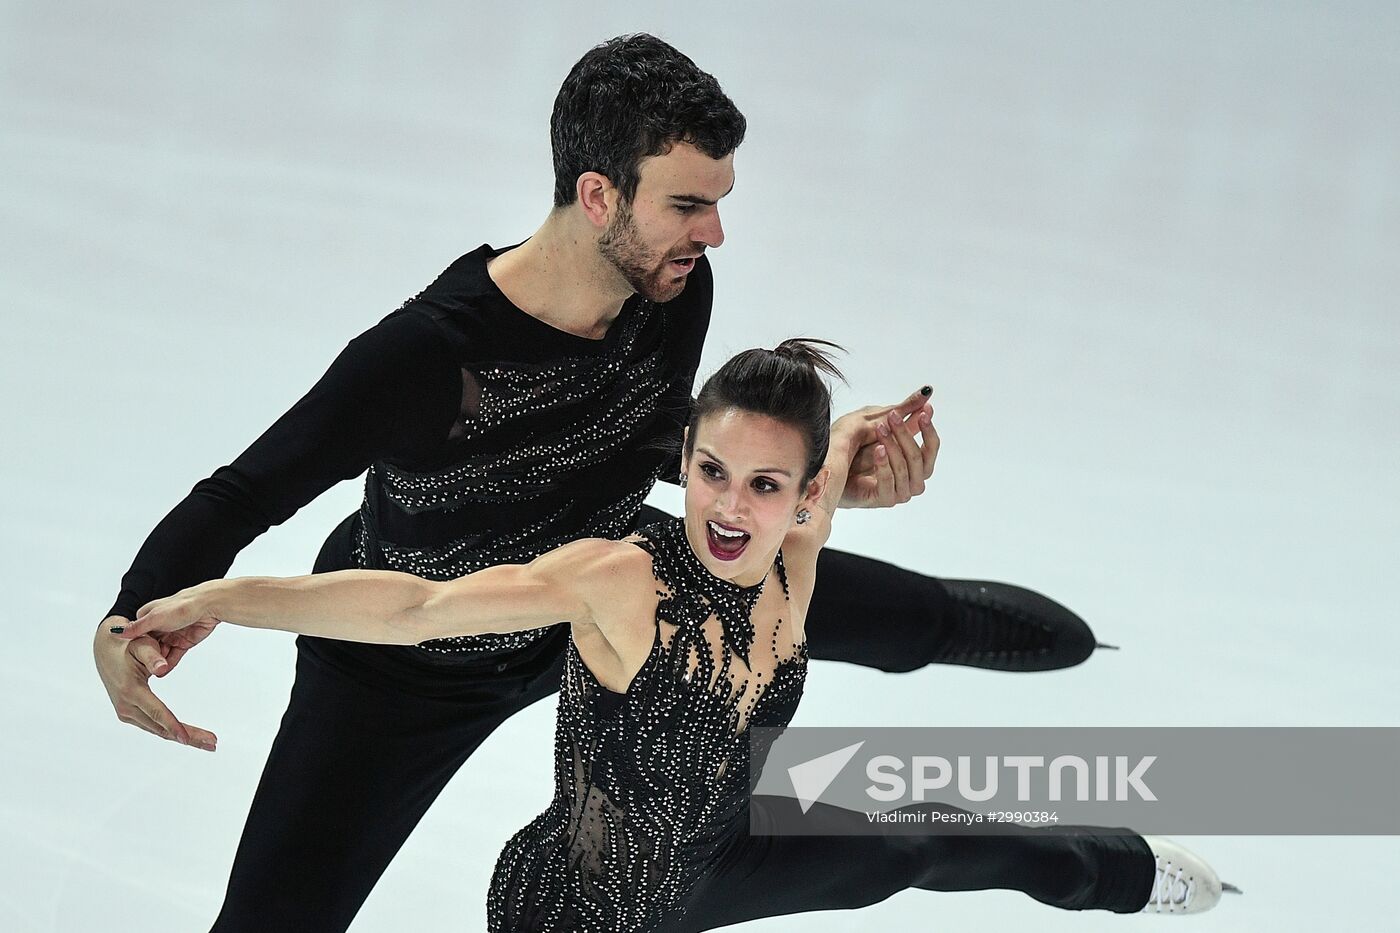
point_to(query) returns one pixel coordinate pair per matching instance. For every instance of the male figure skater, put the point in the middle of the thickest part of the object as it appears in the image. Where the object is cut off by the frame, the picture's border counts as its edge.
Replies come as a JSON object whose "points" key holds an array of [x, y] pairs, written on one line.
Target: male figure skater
{"points": [[527, 397]]}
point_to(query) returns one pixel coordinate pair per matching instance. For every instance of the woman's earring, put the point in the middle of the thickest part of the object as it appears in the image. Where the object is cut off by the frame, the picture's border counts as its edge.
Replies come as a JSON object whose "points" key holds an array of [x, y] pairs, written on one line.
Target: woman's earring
{"points": [[682, 480], [803, 516]]}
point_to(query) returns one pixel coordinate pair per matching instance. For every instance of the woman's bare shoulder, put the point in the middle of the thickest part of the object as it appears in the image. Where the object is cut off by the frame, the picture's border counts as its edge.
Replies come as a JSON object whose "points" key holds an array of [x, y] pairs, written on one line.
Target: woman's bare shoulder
{"points": [[604, 572], [610, 561], [616, 581], [589, 557]]}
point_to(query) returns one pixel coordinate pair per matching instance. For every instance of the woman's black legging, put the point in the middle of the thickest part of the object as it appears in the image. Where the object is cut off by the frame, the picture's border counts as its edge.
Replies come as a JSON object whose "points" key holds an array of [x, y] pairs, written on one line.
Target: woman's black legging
{"points": [[358, 760], [764, 875]]}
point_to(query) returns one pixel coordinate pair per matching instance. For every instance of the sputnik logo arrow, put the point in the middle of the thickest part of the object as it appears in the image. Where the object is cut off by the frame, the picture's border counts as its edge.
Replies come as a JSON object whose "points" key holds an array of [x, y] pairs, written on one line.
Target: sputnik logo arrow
{"points": [[811, 778]]}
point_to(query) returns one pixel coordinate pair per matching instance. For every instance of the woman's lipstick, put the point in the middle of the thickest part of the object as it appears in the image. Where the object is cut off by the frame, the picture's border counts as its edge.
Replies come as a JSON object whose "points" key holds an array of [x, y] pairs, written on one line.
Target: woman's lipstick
{"points": [[723, 541]]}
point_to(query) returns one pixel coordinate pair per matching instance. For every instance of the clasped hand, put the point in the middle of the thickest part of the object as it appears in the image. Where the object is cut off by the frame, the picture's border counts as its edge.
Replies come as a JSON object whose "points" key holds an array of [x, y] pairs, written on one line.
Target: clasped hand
{"points": [[890, 466], [126, 662]]}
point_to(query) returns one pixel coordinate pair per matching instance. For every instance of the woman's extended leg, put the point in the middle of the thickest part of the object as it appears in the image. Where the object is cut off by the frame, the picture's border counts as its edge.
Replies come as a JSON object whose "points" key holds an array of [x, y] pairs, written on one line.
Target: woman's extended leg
{"points": [[769, 875]]}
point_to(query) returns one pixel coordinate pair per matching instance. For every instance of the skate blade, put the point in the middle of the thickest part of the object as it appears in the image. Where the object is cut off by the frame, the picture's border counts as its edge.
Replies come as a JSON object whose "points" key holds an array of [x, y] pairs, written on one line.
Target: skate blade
{"points": [[1227, 886]]}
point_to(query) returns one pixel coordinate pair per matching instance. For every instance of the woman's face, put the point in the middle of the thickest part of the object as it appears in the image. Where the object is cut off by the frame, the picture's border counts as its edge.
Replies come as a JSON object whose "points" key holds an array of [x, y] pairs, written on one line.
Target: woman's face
{"points": [[743, 489]]}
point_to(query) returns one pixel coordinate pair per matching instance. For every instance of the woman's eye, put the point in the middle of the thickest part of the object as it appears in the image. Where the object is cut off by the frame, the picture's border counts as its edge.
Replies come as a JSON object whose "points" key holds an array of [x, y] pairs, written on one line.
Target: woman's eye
{"points": [[710, 470], [765, 485]]}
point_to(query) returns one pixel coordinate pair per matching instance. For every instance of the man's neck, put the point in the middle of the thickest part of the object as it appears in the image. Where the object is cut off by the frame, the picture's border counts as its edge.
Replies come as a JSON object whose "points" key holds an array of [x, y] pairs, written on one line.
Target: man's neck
{"points": [[558, 277]]}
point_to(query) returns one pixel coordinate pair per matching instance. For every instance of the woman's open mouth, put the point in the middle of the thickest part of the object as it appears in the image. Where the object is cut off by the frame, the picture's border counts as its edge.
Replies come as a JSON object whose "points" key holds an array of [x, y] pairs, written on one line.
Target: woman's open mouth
{"points": [[726, 542]]}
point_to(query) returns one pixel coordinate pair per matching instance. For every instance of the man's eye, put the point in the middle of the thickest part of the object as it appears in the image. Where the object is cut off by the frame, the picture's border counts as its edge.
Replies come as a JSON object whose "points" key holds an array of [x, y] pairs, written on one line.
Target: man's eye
{"points": [[685, 208]]}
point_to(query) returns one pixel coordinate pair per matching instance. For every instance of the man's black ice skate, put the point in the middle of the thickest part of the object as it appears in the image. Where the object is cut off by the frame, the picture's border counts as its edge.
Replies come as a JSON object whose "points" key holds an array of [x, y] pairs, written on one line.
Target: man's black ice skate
{"points": [[1003, 627]]}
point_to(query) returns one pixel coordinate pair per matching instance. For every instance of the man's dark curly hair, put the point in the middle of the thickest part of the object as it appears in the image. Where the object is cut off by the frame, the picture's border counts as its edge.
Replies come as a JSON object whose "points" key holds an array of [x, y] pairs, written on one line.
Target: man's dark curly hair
{"points": [[633, 97]]}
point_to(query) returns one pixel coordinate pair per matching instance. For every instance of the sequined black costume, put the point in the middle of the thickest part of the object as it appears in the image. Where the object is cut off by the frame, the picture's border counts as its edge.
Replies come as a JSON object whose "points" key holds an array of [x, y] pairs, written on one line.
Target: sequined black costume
{"points": [[649, 829], [651, 784], [489, 436]]}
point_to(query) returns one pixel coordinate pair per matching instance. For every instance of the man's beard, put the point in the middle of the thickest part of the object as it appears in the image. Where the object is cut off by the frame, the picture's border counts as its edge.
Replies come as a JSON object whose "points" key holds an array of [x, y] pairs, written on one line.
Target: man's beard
{"points": [[651, 277]]}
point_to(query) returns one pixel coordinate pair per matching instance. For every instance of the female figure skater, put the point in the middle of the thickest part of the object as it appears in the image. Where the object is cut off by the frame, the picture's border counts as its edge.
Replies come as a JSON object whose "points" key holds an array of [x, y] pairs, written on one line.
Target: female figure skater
{"points": [[685, 635]]}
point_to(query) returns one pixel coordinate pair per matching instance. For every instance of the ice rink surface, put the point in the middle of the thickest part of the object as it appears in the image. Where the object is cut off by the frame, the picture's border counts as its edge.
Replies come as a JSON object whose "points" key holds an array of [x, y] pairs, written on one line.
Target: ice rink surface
{"points": [[1145, 252]]}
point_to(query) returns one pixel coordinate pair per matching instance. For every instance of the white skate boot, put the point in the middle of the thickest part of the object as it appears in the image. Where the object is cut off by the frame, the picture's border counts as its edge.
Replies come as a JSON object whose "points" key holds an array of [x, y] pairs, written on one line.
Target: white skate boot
{"points": [[1184, 883]]}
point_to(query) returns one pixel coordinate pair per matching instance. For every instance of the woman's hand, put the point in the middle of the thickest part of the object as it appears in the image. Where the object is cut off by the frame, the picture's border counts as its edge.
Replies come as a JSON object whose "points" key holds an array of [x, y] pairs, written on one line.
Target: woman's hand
{"points": [[888, 465], [178, 622]]}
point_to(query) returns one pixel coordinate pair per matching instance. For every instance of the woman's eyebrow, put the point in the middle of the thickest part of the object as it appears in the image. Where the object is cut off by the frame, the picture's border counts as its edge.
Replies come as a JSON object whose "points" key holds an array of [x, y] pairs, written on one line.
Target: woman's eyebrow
{"points": [[711, 454]]}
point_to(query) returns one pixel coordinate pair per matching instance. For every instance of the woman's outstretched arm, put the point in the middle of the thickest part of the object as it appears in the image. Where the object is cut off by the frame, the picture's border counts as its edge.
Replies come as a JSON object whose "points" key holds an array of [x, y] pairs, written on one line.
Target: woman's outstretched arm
{"points": [[386, 607]]}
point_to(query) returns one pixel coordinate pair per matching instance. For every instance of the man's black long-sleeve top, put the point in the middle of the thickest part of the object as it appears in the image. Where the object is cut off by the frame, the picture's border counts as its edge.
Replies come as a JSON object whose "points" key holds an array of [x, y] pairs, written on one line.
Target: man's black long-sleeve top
{"points": [[488, 436]]}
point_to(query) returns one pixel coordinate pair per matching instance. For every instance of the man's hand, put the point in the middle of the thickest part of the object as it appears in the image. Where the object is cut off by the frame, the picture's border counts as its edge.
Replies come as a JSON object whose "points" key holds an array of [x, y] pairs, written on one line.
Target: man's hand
{"points": [[890, 466], [126, 667]]}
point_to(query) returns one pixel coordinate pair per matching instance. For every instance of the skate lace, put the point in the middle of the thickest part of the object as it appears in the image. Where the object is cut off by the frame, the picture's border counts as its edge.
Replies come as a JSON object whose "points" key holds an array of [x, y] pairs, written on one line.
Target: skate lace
{"points": [[1171, 888], [992, 627]]}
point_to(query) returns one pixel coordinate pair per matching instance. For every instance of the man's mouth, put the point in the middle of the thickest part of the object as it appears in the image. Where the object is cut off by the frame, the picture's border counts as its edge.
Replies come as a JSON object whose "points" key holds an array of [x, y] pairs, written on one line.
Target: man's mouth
{"points": [[683, 265], [726, 542]]}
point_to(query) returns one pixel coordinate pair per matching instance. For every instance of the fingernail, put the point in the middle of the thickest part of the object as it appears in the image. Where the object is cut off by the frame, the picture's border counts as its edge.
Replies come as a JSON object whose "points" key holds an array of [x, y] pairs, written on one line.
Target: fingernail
{"points": [[882, 429], [117, 629], [926, 391], [207, 746], [160, 667]]}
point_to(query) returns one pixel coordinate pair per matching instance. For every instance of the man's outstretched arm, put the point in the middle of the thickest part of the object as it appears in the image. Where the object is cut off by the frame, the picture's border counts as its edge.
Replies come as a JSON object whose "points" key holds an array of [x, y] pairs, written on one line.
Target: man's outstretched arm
{"points": [[394, 391]]}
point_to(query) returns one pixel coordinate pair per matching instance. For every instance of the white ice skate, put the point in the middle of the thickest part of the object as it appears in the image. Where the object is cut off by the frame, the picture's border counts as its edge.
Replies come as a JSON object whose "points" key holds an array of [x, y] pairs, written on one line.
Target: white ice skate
{"points": [[1184, 883]]}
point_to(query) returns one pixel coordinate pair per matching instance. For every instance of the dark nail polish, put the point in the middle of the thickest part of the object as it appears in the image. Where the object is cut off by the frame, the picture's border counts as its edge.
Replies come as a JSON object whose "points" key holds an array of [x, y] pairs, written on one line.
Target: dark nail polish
{"points": [[118, 629], [926, 391]]}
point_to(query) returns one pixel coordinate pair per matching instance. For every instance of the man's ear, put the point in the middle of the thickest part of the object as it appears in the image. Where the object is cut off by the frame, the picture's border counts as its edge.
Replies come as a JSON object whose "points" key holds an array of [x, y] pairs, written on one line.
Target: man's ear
{"points": [[597, 198]]}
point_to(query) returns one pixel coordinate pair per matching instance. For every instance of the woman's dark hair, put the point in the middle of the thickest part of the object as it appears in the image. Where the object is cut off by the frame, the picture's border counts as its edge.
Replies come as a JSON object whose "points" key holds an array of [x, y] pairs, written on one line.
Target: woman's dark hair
{"points": [[784, 383], [629, 98]]}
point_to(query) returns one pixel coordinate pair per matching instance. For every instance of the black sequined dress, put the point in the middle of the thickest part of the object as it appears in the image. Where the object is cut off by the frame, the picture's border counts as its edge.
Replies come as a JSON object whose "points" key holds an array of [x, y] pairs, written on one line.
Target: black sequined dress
{"points": [[650, 785]]}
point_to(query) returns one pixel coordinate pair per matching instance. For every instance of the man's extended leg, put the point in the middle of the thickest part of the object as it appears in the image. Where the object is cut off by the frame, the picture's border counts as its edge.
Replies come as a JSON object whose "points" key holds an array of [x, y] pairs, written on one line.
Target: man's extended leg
{"points": [[370, 737], [876, 614]]}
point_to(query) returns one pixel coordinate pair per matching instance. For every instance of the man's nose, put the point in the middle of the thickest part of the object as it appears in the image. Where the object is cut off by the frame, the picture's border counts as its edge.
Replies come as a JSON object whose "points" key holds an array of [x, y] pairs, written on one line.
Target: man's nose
{"points": [[710, 231]]}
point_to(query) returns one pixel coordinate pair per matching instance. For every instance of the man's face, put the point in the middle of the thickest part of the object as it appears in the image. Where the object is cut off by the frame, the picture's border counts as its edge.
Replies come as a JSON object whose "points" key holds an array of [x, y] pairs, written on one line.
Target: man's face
{"points": [[653, 242]]}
